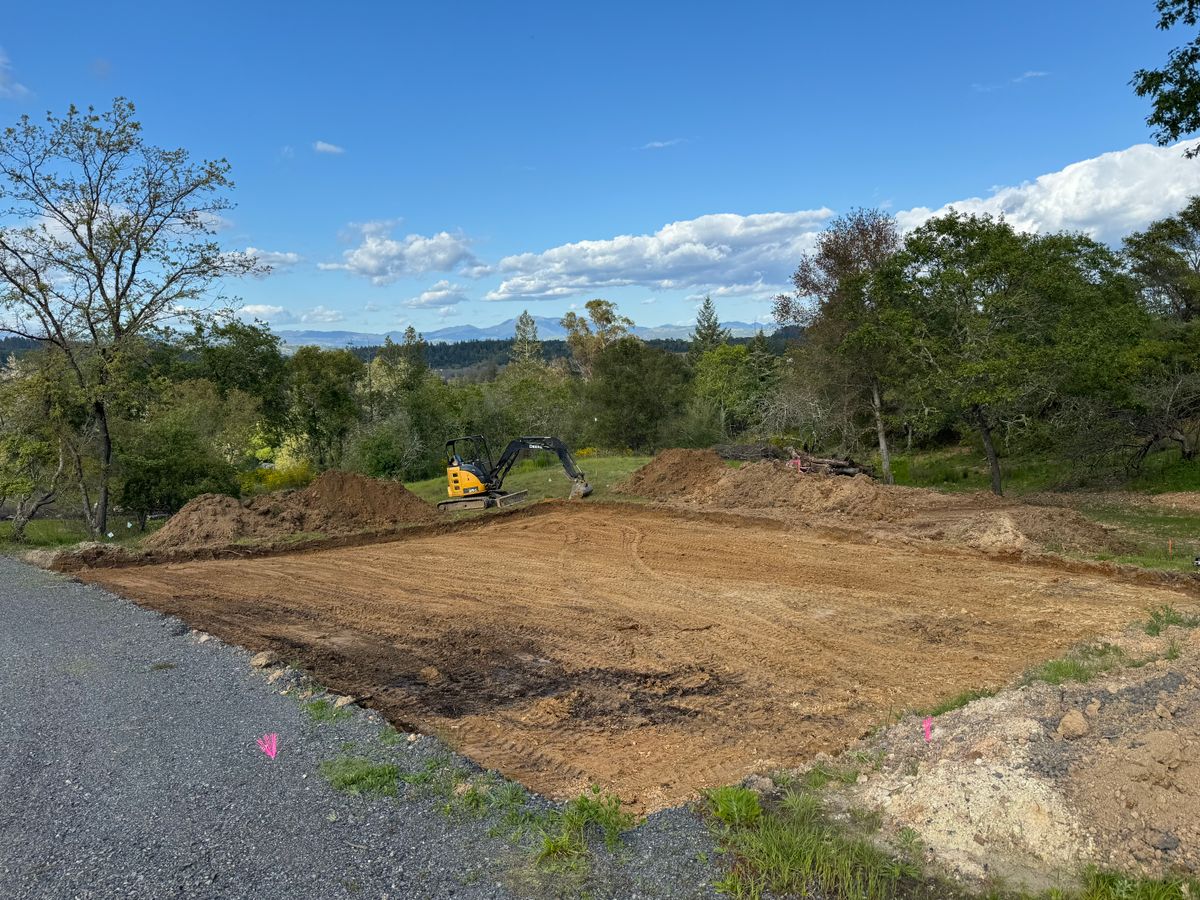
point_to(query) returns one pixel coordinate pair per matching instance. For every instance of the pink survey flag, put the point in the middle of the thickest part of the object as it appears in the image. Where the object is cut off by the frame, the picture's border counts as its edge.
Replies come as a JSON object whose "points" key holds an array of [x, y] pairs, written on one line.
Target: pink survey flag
{"points": [[928, 723], [269, 744]]}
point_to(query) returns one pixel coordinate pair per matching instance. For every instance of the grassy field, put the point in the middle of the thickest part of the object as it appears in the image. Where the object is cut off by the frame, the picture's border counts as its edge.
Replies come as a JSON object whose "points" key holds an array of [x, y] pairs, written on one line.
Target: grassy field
{"points": [[64, 532], [543, 477], [1164, 538]]}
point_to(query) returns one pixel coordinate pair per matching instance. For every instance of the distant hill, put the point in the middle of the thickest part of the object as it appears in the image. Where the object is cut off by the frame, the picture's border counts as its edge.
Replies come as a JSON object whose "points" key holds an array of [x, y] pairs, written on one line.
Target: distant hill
{"points": [[548, 330]]}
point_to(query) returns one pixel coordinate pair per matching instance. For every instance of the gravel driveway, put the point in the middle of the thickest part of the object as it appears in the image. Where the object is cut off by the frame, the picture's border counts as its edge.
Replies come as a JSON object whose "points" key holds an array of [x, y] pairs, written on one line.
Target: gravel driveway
{"points": [[129, 768]]}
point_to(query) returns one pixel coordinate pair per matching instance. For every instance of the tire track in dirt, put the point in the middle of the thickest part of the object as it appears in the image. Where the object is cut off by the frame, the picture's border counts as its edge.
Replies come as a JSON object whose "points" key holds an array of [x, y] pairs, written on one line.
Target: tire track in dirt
{"points": [[653, 653]]}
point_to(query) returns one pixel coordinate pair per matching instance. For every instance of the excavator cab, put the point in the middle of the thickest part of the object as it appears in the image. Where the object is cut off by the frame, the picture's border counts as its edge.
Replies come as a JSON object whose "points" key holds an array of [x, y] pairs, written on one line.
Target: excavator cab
{"points": [[473, 481]]}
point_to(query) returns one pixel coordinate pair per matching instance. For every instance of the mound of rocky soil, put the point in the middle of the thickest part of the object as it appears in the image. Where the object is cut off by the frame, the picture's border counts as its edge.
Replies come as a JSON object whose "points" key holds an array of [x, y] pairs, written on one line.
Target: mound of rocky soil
{"points": [[674, 474], [336, 503], [1035, 783]]}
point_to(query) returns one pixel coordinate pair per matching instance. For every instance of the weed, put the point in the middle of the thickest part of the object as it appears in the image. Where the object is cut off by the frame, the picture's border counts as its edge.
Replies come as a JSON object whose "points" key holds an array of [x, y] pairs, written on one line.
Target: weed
{"points": [[324, 711], [959, 701], [162, 666], [1165, 616], [869, 820], [1100, 885], [793, 849], [358, 775], [819, 776], [390, 737], [1082, 665], [735, 806], [1172, 651], [564, 831]]}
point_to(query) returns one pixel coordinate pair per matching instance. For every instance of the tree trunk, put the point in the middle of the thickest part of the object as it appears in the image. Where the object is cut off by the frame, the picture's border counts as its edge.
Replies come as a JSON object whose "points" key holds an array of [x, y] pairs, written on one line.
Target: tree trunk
{"points": [[985, 432], [101, 519], [30, 506], [885, 458]]}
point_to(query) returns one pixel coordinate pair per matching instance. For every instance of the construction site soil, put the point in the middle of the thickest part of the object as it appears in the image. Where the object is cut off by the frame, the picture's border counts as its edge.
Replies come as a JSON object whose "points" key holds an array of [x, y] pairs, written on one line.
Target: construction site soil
{"points": [[657, 651]]}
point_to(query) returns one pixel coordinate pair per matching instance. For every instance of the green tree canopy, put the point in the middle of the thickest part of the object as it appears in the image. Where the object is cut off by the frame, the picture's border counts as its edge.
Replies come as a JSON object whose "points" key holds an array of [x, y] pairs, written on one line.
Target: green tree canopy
{"points": [[708, 333], [634, 391]]}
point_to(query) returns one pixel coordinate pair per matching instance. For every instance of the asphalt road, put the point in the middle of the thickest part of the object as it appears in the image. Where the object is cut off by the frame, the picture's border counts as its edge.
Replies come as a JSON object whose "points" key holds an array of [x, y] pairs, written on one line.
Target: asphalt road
{"points": [[129, 768]]}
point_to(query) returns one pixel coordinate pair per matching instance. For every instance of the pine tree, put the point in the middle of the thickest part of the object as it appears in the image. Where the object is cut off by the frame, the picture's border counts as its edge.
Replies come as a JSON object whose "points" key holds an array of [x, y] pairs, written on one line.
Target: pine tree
{"points": [[708, 333], [526, 348]]}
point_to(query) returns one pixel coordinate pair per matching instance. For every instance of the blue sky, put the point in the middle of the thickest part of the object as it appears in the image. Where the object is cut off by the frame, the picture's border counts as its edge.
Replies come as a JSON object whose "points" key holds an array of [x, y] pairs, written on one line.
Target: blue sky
{"points": [[469, 147]]}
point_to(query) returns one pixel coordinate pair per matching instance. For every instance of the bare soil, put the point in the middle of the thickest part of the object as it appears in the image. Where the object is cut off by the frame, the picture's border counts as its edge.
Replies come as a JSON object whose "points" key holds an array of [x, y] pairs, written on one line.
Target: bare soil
{"points": [[652, 651]]}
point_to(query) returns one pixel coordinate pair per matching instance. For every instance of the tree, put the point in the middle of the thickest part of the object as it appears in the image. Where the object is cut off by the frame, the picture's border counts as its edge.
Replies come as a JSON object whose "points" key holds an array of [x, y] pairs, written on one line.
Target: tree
{"points": [[526, 349], [32, 458], [587, 339], [634, 390], [112, 237], [235, 355], [1174, 90], [726, 381], [841, 314], [1165, 258], [999, 327], [324, 409], [708, 333]]}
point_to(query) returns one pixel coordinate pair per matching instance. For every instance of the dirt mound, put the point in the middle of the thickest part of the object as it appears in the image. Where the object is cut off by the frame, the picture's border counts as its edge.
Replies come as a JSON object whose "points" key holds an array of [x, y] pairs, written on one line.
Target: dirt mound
{"points": [[336, 503], [1035, 783], [673, 474], [1020, 528], [771, 483]]}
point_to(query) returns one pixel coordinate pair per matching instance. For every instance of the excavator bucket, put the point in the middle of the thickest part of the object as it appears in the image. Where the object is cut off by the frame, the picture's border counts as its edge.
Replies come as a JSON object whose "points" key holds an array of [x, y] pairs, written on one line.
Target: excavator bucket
{"points": [[579, 490]]}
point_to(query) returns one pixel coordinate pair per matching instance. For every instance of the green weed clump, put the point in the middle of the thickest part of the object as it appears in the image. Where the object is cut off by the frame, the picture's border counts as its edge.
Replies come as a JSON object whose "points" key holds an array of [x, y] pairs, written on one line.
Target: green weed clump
{"points": [[734, 805], [358, 775], [564, 831], [1165, 616], [792, 849], [958, 701], [324, 711], [1082, 665]]}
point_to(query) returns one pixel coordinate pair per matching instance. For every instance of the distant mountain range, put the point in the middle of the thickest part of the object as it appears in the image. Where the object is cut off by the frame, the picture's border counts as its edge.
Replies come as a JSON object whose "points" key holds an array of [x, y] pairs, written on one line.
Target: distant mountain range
{"points": [[548, 329]]}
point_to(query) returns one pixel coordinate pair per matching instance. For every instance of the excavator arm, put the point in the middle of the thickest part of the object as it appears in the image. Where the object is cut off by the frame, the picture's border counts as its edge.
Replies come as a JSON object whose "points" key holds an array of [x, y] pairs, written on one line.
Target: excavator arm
{"points": [[508, 458]]}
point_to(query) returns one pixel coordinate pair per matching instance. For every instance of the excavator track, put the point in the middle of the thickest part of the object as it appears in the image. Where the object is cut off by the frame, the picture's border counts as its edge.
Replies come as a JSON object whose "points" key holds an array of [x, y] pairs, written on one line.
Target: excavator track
{"points": [[483, 501]]}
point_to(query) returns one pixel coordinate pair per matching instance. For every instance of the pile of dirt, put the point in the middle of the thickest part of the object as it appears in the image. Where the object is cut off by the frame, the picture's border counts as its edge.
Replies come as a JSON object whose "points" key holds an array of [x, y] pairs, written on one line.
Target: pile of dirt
{"points": [[674, 474], [1033, 784], [336, 503], [1020, 528]]}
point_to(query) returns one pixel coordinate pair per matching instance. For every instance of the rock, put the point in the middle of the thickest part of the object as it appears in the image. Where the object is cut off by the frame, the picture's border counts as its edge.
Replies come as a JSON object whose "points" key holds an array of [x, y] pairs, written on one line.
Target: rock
{"points": [[202, 637], [1162, 710], [1073, 725], [1162, 840], [264, 659], [276, 675], [760, 783], [1093, 709], [342, 701]]}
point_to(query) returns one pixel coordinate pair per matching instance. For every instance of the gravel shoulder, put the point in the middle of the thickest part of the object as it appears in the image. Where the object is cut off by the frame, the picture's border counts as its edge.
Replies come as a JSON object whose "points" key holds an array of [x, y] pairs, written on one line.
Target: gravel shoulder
{"points": [[129, 768]]}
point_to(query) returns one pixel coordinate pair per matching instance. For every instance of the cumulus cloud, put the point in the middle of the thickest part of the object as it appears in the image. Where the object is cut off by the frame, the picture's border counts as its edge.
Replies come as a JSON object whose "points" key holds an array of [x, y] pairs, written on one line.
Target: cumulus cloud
{"points": [[323, 315], [1105, 197], [276, 259], [719, 249], [729, 255], [266, 312], [441, 295], [10, 88], [324, 147], [383, 259]]}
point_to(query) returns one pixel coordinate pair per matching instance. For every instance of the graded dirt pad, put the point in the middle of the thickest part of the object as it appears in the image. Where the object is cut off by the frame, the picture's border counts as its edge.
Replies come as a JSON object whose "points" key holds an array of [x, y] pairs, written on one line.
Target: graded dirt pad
{"points": [[336, 503], [649, 651]]}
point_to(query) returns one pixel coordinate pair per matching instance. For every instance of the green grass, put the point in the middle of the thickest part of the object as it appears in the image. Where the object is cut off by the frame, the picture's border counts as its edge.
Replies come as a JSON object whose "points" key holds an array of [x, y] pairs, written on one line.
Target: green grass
{"points": [[734, 805], [389, 736], [51, 533], [359, 775], [545, 481], [966, 469], [1101, 885], [324, 711], [793, 849], [1161, 538], [1166, 616], [564, 831], [958, 701], [1081, 664]]}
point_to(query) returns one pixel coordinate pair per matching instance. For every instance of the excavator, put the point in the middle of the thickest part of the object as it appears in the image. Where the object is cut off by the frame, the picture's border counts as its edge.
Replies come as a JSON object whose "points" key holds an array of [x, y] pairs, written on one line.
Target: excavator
{"points": [[474, 482]]}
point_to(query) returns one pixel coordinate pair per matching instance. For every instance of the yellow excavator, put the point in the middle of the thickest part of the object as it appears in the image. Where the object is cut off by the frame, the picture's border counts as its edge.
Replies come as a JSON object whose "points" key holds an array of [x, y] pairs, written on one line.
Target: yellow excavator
{"points": [[474, 482]]}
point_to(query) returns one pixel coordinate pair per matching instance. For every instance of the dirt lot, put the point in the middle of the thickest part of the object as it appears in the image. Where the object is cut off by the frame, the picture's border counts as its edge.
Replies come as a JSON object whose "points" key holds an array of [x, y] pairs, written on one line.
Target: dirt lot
{"points": [[651, 651]]}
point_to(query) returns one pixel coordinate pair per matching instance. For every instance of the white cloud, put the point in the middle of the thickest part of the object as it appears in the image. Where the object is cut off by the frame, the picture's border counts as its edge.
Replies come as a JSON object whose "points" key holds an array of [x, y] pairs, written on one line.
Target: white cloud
{"points": [[276, 259], [10, 88], [720, 249], [267, 313], [323, 147], [443, 295], [729, 255], [997, 85], [660, 145], [446, 312], [322, 314], [384, 259], [1105, 197]]}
